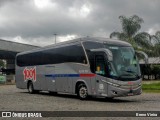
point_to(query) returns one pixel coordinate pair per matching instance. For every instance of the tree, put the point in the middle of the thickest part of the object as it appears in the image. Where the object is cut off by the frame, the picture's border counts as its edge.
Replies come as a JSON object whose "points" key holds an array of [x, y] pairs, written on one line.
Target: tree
{"points": [[2, 63], [156, 38], [130, 33], [156, 42], [155, 70]]}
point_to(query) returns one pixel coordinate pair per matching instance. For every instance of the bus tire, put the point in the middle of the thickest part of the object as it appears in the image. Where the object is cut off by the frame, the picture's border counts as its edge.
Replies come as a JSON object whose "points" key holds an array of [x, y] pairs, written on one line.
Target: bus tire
{"points": [[82, 91], [52, 93], [109, 98], [31, 88]]}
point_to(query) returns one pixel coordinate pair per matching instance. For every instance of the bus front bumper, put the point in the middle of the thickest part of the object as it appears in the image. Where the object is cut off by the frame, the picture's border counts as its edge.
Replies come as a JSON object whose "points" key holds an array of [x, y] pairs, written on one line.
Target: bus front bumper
{"points": [[121, 92]]}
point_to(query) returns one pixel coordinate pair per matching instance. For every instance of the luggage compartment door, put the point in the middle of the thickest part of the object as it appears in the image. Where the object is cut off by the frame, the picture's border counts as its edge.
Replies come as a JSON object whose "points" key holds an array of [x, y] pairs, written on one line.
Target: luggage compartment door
{"points": [[50, 78]]}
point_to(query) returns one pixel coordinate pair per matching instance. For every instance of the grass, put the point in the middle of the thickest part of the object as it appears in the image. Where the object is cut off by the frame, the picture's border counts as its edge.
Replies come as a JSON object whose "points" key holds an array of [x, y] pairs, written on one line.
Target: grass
{"points": [[152, 87]]}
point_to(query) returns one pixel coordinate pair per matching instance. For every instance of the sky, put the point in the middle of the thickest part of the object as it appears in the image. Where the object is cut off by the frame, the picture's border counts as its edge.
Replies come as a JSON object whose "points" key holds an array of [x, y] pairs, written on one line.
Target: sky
{"points": [[36, 21]]}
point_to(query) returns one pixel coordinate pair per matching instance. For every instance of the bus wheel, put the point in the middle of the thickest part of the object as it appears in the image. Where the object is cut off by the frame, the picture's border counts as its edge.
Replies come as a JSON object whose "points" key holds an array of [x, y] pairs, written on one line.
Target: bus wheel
{"points": [[52, 93], [109, 98], [31, 88], [82, 91]]}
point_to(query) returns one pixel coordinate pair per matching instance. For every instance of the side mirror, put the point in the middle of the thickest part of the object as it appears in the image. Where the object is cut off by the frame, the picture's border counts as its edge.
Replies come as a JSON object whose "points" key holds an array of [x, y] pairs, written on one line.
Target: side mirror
{"points": [[106, 51], [145, 56]]}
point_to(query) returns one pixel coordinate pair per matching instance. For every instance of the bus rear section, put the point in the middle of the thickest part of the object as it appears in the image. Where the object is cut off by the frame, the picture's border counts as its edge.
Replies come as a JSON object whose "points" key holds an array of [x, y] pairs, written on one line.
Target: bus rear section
{"points": [[54, 69]]}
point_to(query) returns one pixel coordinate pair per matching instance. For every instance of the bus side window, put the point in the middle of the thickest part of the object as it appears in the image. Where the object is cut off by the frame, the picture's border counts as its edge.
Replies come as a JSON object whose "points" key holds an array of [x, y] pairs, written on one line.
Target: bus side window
{"points": [[100, 65]]}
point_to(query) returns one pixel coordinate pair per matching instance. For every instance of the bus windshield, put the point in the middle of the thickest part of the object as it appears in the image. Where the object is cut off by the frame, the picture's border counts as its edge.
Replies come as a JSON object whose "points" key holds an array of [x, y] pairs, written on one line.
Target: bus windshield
{"points": [[125, 64]]}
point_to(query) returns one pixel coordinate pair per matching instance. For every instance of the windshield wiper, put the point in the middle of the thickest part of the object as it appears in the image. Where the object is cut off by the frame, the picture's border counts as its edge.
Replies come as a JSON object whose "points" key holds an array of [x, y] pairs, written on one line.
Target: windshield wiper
{"points": [[134, 73]]}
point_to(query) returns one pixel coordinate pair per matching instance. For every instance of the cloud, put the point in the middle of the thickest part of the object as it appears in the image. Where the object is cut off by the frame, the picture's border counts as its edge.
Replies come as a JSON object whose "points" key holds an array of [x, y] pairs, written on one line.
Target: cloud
{"points": [[35, 21]]}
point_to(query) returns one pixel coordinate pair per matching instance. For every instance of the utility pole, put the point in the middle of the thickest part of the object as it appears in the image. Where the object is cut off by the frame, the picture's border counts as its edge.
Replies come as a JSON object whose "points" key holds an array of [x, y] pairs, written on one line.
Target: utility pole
{"points": [[55, 37]]}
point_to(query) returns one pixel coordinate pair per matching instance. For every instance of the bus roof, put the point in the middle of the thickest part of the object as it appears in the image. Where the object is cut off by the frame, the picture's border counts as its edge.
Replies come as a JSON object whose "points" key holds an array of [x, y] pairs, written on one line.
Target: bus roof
{"points": [[93, 39]]}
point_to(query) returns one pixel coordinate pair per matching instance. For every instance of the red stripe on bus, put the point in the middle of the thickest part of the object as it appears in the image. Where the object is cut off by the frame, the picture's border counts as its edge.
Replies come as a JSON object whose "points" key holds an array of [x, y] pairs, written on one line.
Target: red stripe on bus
{"points": [[87, 75]]}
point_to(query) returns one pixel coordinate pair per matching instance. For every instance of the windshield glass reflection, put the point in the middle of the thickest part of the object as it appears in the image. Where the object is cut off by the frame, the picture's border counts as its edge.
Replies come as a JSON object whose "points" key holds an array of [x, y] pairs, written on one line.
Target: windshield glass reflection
{"points": [[125, 64]]}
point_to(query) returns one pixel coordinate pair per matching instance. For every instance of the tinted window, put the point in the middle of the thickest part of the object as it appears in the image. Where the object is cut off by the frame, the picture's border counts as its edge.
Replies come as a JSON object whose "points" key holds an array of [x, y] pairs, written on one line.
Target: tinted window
{"points": [[71, 53], [100, 65], [92, 45]]}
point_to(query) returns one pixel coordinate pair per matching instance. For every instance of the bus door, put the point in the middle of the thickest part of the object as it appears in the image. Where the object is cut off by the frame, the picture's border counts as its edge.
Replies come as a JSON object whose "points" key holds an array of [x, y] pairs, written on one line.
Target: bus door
{"points": [[101, 71], [50, 78]]}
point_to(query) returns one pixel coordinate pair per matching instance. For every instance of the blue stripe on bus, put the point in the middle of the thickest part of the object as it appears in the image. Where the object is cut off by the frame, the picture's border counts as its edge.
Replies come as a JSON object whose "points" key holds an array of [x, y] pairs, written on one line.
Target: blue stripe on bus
{"points": [[62, 75], [70, 75]]}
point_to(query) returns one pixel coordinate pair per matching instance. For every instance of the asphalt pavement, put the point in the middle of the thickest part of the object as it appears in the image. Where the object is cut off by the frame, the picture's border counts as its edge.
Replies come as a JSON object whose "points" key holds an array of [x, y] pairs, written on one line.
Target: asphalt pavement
{"points": [[14, 99]]}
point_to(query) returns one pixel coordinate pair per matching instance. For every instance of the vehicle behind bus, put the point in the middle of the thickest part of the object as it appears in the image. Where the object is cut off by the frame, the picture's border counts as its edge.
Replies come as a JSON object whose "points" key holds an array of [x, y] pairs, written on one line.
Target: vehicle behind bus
{"points": [[86, 67]]}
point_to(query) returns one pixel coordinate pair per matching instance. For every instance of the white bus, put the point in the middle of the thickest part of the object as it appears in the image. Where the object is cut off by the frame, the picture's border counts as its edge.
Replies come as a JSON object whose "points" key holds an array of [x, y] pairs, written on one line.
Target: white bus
{"points": [[85, 66]]}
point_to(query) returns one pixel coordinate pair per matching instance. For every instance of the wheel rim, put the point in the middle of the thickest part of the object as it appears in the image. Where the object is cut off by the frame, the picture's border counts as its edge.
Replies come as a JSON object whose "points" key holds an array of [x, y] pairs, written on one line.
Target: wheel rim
{"points": [[83, 92], [30, 88]]}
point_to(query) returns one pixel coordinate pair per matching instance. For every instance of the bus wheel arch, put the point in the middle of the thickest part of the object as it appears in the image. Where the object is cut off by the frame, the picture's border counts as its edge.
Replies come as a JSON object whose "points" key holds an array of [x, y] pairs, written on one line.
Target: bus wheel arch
{"points": [[30, 87], [81, 90]]}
